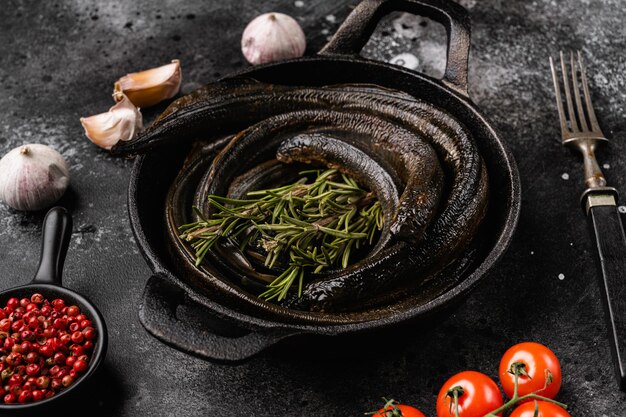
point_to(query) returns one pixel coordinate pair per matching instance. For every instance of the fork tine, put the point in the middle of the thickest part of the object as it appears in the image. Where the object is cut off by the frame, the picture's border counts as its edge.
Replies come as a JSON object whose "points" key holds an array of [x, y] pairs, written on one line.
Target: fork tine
{"points": [[559, 99], [568, 96], [590, 112], [579, 105]]}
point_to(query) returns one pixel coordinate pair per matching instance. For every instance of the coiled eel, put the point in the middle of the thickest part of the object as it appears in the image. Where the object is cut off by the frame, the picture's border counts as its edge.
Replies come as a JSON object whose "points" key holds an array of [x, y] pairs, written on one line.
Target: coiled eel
{"points": [[421, 162]]}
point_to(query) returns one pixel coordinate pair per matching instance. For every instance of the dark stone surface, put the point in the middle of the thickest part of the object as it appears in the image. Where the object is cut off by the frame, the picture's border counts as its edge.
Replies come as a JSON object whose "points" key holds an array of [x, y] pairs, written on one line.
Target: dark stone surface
{"points": [[58, 61]]}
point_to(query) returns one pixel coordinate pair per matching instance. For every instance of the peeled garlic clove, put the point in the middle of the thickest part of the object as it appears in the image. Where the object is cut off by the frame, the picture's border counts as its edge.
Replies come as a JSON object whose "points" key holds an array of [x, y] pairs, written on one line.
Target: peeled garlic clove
{"points": [[121, 122], [149, 87], [272, 37], [33, 177]]}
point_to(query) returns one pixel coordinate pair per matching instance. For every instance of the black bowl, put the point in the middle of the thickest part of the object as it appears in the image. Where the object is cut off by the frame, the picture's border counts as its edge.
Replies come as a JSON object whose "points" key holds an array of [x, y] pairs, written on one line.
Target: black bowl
{"points": [[57, 231]]}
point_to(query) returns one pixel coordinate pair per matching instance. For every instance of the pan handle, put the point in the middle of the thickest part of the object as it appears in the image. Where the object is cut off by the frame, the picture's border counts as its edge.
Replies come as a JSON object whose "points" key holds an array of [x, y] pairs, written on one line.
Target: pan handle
{"points": [[356, 30], [199, 332], [57, 231]]}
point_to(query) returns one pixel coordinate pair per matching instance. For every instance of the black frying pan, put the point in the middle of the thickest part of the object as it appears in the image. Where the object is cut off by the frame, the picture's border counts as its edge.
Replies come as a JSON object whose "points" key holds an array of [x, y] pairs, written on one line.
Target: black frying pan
{"points": [[184, 314]]}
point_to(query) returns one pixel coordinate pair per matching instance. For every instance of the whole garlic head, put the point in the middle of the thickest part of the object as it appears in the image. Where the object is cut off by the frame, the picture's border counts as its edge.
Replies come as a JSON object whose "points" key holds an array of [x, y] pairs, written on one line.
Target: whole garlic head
{"points": [[33, 177], [121, 122], [272, 37]]}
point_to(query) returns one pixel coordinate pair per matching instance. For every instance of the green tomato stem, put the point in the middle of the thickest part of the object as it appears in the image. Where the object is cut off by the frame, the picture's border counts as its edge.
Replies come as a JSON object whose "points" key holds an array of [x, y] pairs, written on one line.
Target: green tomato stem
{"points": [[455, 393], [456, 403], [515, 399]]}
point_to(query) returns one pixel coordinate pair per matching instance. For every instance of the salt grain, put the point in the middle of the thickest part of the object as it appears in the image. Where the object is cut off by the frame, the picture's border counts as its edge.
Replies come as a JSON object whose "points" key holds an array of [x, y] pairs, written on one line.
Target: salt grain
{"points": [[565, 176], [298, 3], [606, 166], [622, 209], [561, 277]]}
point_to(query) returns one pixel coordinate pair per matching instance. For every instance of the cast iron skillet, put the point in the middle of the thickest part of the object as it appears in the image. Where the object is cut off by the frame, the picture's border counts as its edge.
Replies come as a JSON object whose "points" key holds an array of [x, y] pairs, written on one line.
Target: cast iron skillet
{"points": [[186, 315], [57, 231]]}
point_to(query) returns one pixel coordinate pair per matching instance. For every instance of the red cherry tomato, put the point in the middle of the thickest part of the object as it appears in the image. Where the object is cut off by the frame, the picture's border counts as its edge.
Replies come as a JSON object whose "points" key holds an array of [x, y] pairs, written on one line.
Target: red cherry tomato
{"points": [[400, 410], [539, 363], [546, 409], [480, 395]]}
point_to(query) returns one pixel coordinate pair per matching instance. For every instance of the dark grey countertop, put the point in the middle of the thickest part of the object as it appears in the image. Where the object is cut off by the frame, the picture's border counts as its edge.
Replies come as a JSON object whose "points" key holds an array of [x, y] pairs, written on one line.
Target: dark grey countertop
{"points": [[58, 61]]}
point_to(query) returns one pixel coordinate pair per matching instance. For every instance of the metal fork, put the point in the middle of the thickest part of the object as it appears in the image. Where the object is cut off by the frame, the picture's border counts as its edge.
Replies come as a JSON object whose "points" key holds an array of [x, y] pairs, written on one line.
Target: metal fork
{"points": [[580, 129]]}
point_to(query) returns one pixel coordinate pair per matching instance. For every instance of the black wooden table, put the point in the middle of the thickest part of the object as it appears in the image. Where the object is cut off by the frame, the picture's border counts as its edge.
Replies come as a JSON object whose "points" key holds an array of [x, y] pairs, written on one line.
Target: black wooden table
{"points": [[58, 61]]}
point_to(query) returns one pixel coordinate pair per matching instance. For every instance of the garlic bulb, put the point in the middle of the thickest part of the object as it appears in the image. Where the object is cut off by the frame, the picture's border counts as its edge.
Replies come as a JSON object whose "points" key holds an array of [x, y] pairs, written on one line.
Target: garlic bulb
{"points": [[149, 87], [272, 37], [121, 122], [33, 177]]}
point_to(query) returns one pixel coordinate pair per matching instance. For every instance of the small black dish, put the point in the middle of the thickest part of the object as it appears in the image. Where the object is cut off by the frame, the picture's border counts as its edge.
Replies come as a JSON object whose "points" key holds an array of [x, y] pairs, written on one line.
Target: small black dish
{"points": [[57, 231]]}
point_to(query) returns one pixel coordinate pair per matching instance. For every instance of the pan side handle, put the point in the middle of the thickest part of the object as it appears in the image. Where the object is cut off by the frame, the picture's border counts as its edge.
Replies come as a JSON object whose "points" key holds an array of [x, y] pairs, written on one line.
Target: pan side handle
{"points": [[170, 315], [356, 30]]}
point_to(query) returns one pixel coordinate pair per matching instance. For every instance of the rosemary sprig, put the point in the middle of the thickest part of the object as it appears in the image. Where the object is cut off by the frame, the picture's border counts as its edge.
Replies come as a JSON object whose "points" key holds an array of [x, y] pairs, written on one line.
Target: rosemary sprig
{"points": [[306, 226]]}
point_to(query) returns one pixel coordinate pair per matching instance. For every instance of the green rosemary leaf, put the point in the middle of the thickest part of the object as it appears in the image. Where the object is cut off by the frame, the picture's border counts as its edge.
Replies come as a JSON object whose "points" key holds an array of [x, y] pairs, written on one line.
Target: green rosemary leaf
{"points": [[226, 200], [346, 254]]}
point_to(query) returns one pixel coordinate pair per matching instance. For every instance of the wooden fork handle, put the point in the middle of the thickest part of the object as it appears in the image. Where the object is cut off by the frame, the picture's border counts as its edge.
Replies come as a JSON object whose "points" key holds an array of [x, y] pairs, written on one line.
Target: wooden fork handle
{"points": [[608, 233]]}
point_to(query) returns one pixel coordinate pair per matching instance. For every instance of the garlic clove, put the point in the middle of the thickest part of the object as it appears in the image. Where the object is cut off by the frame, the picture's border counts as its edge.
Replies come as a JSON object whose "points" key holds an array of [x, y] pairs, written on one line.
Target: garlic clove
{"points": [[121, 122], [272, 37], [33, 177], [149, 87]]}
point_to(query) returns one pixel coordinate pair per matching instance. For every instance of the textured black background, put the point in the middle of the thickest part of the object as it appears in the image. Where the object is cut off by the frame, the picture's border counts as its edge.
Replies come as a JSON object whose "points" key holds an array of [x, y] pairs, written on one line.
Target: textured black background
{"points": [[58, 61]]}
